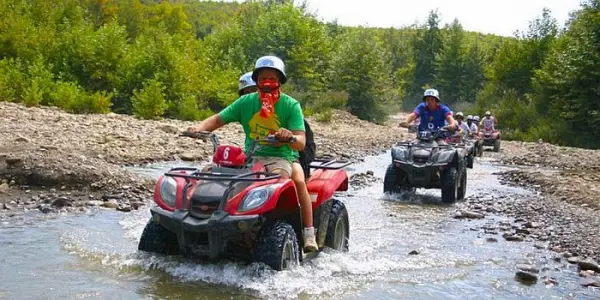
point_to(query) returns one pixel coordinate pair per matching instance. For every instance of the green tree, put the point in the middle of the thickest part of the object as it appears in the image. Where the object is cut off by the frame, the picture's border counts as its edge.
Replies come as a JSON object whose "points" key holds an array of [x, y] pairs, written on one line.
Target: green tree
{"points": [[359, 70]]}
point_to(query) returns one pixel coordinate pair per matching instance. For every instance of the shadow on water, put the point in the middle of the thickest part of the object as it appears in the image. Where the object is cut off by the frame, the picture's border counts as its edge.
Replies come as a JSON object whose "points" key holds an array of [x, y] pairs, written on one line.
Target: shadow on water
{"points": [[95, 256]]}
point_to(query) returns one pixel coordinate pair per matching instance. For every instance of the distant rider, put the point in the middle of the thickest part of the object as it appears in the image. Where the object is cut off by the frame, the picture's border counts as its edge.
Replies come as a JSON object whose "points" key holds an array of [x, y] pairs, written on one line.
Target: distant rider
{"points": [[488, 123], [473, 129], [432, 113]]}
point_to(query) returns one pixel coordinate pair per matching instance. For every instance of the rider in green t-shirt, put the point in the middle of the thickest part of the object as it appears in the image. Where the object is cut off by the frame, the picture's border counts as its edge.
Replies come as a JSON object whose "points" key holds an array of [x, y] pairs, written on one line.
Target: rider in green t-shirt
{"points": [[271, 112]]}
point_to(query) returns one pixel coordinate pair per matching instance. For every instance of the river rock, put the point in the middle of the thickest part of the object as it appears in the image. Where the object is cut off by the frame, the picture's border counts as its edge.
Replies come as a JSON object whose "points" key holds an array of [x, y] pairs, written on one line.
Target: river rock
{"points": [[465, 214], [4, 188], [414, 252], [526, 277], [586, 273], [588, 281], [169, 128], [124, 208], [588, 265], [512, 237], [62, 202], [110, 204], [45, 208], [528, 268], [95, 203], [573, 259], [190, 156]]}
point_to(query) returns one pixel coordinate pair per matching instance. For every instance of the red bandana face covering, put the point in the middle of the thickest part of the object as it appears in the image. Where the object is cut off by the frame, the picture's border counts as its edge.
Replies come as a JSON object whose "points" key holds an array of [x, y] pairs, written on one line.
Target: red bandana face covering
{"points": [[268, 93]]}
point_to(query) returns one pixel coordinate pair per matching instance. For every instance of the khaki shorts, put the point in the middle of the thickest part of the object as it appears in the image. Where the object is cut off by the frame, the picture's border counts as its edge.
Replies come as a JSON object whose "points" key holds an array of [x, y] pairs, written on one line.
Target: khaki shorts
{"points": [[275, 164]]}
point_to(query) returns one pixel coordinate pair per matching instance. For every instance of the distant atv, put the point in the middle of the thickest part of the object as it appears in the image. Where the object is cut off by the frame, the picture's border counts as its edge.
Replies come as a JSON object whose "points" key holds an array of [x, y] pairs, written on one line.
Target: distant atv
{"points": [[427, 164], [467, 147], [238, 210], [490, 138]]}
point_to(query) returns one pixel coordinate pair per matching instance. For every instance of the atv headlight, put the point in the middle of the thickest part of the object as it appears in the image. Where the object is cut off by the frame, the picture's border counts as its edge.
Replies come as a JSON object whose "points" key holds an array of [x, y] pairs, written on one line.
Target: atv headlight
{"points": [[398, 154], [168, 190], [257, 197]]}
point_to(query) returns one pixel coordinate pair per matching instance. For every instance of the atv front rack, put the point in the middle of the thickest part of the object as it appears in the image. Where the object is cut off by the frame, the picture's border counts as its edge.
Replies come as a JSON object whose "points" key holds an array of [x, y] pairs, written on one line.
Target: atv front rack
{"points": [[409, 144], [197, 175], [232, 179]]}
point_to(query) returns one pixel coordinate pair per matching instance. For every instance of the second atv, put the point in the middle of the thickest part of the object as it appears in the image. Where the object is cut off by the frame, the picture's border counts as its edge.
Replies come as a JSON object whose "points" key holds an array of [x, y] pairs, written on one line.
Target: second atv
{"points": [[426, 163]]}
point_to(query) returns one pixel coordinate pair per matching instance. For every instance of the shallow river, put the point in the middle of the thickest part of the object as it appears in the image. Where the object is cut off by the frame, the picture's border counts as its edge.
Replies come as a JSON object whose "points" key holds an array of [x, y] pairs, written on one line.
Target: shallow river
{"points": [[94, 256]]}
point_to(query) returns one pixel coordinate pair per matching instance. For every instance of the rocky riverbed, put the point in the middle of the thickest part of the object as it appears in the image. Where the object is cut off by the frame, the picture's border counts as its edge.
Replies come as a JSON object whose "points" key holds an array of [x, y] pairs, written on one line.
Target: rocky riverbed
{"points": [[54, 161], [51, 161]]}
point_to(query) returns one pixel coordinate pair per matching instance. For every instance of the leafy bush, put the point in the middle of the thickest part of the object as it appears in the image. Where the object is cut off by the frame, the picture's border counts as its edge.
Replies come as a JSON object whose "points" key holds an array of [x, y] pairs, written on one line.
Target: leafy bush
{"points": [[149, 102]]}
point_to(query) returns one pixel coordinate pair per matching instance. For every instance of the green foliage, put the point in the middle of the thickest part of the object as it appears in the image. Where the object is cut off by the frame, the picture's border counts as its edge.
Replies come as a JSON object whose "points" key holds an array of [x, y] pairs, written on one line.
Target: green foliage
{"points": [[324, 116], [149, 102], [358, 69]]}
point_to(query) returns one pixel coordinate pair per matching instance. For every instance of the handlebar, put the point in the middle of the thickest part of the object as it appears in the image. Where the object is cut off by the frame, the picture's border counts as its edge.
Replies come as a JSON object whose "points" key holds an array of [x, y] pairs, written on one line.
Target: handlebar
{"points": [[203, 135]]}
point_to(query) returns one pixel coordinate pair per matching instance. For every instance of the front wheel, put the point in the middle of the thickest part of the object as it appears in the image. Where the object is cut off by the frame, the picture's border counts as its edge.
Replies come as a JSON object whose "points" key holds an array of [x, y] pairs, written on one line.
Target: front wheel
{"points": [[338, 229], [449, 184], [462, 188], [390, 181], [278, 246], [157, 239]]}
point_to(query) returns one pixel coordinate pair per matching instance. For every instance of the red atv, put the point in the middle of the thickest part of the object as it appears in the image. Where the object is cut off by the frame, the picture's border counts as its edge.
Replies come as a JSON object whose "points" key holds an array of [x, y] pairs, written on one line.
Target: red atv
{"points": [[238, 210], [489, 137]]}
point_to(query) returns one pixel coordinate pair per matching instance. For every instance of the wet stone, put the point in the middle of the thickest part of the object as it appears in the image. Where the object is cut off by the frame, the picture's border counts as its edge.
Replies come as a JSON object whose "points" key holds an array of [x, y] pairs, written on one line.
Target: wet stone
{"points": [[414, 252], [588, 265], [528, 268], [62, 202], [588, 281], [526, 277], [512, 237], [586, 273]]}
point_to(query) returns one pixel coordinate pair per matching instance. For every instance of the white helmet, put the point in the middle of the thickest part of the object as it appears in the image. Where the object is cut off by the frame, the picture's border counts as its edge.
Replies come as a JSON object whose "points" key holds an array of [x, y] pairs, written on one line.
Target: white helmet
{"points": [[460, 114], [488, 113], [270, 62], [470, 118], [432, 93], [245, 82], [476, 118]]}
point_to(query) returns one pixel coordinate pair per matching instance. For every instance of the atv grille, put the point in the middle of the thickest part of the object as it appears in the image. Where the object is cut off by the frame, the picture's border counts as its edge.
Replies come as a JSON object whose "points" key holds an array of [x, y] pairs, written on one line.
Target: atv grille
{"points": [[420, 160], [203, 210]]}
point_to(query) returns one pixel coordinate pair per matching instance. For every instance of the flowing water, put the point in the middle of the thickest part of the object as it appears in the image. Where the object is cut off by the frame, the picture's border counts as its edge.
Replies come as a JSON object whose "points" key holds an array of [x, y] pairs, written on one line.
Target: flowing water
{"points": [[94, 256]]}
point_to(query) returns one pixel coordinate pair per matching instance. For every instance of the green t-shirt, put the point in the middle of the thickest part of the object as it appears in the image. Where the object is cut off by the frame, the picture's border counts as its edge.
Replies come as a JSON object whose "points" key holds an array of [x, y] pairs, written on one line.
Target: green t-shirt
{"points": [[246, 110]]}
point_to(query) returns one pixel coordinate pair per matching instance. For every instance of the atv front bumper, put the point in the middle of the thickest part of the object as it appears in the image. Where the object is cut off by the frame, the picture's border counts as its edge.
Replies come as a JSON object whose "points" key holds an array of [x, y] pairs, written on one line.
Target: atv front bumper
{"points": [[205, 237], [421, 175], [489, 141]]}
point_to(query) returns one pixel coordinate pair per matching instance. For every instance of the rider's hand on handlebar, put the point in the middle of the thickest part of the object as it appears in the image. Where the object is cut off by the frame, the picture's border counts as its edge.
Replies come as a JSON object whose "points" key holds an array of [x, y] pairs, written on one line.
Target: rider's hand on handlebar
{"points": [[283, 135]]}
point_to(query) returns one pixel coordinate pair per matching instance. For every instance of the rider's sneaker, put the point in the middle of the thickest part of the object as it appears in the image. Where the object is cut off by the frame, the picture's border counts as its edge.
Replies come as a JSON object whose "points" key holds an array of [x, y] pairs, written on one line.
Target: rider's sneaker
{"points": [[310, 243]]}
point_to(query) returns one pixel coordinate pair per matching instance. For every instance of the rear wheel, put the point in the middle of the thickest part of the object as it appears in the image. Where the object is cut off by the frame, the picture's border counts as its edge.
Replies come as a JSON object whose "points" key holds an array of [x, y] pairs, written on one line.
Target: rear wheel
{"points": [[338, 229], [157, 239], [497, 145], [449, 184], [278, 246]]}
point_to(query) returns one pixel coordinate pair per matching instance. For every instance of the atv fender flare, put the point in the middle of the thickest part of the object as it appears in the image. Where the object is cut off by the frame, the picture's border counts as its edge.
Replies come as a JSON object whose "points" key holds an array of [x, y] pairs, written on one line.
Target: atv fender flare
{"points": [[324, 183]]}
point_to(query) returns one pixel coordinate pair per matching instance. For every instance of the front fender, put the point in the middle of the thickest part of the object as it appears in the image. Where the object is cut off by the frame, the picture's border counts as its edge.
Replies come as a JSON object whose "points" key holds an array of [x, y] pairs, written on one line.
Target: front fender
{"points": [[444, 157], [324, 183]]}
